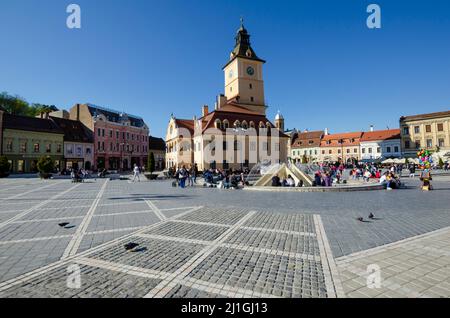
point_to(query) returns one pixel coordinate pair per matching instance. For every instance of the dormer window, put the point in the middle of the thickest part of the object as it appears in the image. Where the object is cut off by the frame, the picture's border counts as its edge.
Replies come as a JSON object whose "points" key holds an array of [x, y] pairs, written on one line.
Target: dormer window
{"points": [[218, 124]]}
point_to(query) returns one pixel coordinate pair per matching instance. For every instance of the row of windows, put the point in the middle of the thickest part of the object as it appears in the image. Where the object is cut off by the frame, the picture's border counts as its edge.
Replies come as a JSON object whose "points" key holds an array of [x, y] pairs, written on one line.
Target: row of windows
{"points": [[237, 146], [355, 150], [237, 124], [439, 126], [101, 133], [305, 152], [116, 147], [79, 150], [340, 141], [429, 143], [36, 147]]}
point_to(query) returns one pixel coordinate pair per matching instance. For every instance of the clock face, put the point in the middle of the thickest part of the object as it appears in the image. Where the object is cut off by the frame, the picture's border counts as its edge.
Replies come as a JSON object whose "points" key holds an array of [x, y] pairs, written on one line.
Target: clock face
{"points": [[250, 71], [230, 74]]}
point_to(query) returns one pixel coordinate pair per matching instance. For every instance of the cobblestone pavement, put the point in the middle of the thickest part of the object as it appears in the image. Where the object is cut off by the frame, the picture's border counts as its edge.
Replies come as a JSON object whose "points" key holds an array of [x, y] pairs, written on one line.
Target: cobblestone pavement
{"points": [[198, 253], [97, 211], [415, 267], [200, 242]]}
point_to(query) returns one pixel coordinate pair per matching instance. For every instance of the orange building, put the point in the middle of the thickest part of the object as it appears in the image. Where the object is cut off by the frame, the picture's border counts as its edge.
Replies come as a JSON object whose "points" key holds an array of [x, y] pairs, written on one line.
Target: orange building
{"points": [[343, 147]]}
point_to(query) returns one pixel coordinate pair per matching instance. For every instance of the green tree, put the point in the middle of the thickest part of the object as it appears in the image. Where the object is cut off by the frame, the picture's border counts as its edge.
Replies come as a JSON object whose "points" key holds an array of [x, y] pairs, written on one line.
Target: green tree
{"points": [[441, 163], [4, 166], [17, 105], [46, 164], [151, 162], [37, 109], [14, 104]]}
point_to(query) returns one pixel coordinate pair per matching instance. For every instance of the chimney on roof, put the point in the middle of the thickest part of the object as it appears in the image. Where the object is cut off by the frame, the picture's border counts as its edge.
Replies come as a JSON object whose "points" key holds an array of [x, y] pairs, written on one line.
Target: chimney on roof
{"points": [[46, 115], [326, 133], [78, 111], [205, 110], [371, 128], [221, 101]]}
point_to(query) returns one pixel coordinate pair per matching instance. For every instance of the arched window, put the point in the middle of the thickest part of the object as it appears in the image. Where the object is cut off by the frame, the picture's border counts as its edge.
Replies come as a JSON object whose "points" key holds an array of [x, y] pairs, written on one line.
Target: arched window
{"points": [[226, 124], [237, 124], [261, 124], [252, 124], [244, 125], [218, 124], [268, 125]]}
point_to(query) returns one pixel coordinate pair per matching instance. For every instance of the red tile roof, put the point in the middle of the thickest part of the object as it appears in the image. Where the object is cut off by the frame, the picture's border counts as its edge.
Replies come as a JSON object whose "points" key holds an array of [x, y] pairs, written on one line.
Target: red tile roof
{"points": [[233, 112], [345, 137], [307, 139], [381, 135], [186, 123]]}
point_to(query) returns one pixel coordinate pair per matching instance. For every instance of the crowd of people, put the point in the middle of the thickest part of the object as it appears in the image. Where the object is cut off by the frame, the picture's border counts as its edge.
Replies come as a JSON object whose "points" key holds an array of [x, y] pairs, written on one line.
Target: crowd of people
{"points": [[79, 175], [326, 175]]}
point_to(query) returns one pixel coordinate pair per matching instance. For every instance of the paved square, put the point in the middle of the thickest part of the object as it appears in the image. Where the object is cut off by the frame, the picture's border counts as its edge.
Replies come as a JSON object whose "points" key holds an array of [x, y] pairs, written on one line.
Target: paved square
{"points": [[202, 242]]}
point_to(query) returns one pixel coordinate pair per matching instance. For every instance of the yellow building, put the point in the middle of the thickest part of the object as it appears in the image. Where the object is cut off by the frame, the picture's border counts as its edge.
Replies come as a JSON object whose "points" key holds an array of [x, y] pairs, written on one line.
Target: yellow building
{"points": [[427, 131], [237, 133]]}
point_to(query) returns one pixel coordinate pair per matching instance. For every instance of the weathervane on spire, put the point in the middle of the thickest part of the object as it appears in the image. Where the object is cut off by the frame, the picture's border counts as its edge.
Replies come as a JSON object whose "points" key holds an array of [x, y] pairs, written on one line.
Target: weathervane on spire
{"points": [[242, 21]]}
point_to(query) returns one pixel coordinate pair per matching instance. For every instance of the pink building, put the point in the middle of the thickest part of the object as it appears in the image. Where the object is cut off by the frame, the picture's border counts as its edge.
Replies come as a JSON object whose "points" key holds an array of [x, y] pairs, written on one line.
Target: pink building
{"points": [[120, 139]]}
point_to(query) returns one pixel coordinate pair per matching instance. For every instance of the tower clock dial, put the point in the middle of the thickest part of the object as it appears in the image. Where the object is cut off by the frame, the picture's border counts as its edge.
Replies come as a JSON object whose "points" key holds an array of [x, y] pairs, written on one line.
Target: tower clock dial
{"points": [[250, 71], [230, 74]]}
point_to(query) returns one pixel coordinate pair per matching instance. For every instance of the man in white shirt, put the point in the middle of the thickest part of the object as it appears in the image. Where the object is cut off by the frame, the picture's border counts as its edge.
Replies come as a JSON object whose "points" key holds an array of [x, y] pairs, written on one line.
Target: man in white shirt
{"points": [[136, 173]]}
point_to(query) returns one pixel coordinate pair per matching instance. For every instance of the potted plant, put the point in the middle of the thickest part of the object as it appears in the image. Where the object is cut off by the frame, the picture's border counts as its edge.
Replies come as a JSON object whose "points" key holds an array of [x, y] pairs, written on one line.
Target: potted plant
{"points": [[4, 167], [45, 166]]}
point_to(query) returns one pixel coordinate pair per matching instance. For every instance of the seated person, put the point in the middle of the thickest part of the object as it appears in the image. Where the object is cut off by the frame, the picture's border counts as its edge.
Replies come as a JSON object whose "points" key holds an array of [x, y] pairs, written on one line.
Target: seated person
{"points": [[290, 182], [276, 181]]}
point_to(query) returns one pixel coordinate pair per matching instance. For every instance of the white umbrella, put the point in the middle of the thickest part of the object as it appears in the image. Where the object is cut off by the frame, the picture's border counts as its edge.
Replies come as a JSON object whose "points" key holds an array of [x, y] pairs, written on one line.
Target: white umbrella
{"points": [[388, 161]]}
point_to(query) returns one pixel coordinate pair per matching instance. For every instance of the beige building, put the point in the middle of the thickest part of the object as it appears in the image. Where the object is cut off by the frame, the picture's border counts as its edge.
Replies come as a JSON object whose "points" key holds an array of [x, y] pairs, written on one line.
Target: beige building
{"points": [[237, 133], [426, 131], [305, 147]]}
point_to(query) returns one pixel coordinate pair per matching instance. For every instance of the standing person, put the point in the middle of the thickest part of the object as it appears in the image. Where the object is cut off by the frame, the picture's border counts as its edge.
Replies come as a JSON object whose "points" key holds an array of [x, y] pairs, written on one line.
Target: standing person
{"points": [[425, 177], [136, 173], [183, 176], [195, 173], [412, 170]]}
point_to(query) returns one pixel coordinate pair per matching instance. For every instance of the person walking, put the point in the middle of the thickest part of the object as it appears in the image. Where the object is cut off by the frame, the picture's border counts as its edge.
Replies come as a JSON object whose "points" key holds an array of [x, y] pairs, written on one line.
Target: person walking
{"points": [[136, 173], [195, 173]]}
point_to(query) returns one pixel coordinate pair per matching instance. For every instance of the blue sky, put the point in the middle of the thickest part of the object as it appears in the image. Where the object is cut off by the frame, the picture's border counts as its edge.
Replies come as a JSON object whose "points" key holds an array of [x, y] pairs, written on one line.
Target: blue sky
{"points": [[324, 67]]}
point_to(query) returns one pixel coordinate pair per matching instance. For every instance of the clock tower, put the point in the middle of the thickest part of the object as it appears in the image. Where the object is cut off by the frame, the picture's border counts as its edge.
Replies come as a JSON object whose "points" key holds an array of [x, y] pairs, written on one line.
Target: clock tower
{"points": [[243, 75]]}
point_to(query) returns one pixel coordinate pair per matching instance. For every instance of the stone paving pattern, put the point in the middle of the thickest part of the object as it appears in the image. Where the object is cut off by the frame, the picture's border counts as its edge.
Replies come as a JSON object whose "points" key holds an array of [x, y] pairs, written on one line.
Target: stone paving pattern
{"points": [[278, 243]]}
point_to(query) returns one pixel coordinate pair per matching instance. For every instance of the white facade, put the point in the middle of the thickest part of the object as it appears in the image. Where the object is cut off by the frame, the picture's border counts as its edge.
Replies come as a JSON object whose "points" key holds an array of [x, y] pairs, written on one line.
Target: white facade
{"points": [[380, 149], [311, 153], [78, 153]]}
